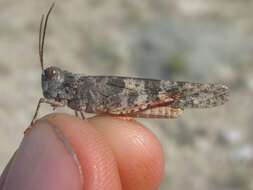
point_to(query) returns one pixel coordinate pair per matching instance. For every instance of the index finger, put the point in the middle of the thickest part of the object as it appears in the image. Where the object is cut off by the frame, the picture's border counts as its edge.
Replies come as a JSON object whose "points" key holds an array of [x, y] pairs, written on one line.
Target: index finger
{"points": [[135, 149]]}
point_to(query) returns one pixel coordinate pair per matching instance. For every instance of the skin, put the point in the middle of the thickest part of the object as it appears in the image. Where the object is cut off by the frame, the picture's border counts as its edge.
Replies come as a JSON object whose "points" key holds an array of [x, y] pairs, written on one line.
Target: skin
{"points": [[65, 152]]}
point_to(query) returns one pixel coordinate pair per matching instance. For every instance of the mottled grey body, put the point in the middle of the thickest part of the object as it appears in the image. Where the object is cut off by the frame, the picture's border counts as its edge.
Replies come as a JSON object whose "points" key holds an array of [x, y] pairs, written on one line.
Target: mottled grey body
{"points": [[126, 96]]}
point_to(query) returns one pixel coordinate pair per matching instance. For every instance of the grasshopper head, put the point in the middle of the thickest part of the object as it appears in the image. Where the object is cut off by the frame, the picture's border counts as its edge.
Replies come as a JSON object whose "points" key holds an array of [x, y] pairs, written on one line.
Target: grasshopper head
{"points": [[52, 80], [52, 77]]}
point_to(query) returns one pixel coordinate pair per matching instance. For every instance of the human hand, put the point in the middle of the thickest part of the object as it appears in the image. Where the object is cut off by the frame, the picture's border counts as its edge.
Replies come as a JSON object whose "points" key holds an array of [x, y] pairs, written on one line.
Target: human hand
{"points": [[65, 152]]}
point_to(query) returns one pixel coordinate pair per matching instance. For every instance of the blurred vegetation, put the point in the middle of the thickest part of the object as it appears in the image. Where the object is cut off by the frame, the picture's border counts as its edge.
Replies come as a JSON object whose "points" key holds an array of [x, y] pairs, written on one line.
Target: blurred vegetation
{"points": [[175, 64]]}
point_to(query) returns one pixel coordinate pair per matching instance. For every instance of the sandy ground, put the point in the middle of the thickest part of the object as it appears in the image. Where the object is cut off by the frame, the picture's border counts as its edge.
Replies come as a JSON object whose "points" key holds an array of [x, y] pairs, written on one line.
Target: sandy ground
{"points": [[192, 40]]}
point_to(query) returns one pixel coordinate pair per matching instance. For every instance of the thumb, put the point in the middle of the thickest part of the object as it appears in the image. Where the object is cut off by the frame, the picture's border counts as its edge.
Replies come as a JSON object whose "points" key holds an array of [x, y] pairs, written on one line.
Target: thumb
{"points": [[42, 162]]}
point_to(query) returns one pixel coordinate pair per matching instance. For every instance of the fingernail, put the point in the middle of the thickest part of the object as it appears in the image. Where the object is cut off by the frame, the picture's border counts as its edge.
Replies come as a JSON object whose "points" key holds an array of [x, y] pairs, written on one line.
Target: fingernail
{"points": [[44, 160]]}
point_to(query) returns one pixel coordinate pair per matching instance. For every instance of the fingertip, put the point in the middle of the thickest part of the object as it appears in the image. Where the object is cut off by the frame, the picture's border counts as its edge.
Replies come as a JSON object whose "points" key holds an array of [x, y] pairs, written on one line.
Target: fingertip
{"points": [[112, 153], [137, 150], [93, 152]]}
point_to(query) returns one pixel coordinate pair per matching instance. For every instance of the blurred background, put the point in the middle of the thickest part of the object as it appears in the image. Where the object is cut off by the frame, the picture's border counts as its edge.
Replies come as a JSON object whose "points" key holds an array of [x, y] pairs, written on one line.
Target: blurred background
{"points": [[186, 40]]}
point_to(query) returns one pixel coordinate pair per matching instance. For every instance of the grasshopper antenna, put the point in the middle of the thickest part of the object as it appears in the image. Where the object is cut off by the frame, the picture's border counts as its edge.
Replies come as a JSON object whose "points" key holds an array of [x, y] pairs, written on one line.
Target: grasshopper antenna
{"points": [[42, 33]]}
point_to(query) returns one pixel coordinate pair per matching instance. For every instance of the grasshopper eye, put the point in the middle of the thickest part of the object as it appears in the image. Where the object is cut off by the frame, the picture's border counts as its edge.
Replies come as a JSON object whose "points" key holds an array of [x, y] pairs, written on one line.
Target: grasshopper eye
{"points": [[51, 73]]}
